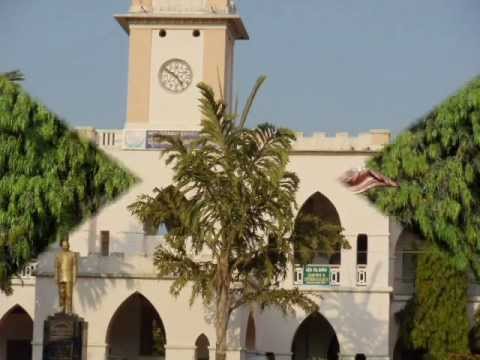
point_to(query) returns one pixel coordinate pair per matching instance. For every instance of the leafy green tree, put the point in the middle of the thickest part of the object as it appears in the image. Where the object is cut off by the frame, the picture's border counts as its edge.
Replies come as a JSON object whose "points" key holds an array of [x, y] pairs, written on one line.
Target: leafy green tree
{"points": [[230, 215], [437, 163], [50, 179], [441, 294], [435, 321]]}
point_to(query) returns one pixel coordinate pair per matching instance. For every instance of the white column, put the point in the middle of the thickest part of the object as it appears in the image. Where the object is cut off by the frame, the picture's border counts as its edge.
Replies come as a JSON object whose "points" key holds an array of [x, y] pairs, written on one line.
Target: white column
{"points": [[236, 354], [37, 351], [211, 352]]}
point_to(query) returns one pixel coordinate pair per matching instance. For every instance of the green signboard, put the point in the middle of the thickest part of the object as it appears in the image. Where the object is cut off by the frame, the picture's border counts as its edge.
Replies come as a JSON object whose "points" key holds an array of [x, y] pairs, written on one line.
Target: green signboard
{"points": [[316, 275]]}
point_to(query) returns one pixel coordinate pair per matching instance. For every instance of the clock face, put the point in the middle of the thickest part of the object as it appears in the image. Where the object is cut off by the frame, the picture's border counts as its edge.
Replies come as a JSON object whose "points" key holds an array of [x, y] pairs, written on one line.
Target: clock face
{"points": [[175, 75]]}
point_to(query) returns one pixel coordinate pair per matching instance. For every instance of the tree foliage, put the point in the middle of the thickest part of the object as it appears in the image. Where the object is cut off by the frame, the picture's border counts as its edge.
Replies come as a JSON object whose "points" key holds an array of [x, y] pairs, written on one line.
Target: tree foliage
{"points": [[435, 321], [230, 215], [437, 163], [50, 179]]}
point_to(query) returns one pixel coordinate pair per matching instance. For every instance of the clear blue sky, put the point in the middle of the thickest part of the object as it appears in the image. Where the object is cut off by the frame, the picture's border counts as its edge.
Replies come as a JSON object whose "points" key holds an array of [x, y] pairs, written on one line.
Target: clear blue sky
{"points": [[337, 65]]}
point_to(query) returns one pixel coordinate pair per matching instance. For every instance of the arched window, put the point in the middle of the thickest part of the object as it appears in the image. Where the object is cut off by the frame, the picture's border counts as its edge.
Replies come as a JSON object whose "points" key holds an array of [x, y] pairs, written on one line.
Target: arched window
{"points": [[319, 206], [250, 335], [360, 357], [406, 252], [201, 348], [407, 249], [362, 249]]}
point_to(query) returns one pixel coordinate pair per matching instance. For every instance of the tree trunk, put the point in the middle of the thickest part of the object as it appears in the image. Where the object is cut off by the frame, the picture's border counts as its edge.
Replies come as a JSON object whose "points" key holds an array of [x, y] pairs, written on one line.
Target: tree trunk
{"points": [[222, 309]]}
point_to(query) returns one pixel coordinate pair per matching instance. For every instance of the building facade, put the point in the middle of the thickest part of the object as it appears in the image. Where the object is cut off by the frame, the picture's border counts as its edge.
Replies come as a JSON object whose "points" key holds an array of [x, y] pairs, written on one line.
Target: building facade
{"points": [[175, 44]]}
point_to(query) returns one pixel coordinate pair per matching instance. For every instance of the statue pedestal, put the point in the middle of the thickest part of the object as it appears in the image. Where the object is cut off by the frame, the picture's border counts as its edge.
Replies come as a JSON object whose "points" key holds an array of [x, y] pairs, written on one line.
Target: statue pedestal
{"points": [[64, 337]]}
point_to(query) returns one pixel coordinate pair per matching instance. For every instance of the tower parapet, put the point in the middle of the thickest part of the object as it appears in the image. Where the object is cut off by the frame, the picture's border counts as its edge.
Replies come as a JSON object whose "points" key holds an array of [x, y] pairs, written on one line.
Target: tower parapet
{"points": [[183, 6]]}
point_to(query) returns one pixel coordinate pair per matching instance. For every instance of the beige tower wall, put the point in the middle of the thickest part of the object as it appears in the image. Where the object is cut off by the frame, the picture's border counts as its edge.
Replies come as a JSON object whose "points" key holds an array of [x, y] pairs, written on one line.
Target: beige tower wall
{"points": [[175, 111], [210, 56], [139, 76], [218, 61]]}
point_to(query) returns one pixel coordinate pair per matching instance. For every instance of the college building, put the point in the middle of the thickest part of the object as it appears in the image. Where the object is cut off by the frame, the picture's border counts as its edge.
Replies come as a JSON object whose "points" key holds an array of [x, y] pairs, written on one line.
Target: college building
{"points": [[175, 44]]}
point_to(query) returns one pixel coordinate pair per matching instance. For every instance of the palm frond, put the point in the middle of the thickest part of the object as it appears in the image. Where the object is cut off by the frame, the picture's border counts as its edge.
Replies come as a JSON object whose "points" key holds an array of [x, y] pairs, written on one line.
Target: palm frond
{"points": [[250, 100]]}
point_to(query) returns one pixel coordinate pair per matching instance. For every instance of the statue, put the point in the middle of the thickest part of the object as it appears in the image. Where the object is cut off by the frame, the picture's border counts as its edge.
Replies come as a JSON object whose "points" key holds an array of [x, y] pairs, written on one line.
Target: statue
{"points": [[65, 334], [66, 276]]}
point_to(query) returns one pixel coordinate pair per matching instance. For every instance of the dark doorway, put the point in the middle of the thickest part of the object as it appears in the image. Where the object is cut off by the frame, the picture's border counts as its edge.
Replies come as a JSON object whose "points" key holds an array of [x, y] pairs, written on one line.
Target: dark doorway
{"points": [[136, 330], [315, 339], [16, 331], [19, 349]]}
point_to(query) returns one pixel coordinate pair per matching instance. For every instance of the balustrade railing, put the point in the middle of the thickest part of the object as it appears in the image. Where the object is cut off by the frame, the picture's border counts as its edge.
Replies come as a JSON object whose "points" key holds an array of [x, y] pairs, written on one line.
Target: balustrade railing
{"points": [[361, 275], [109, 138], [317, 275]]}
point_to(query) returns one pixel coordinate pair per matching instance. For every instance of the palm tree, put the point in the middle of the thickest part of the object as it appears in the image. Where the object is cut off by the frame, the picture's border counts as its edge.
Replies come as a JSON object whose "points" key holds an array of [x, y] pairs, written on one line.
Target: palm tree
{"points": [[233, 200]]}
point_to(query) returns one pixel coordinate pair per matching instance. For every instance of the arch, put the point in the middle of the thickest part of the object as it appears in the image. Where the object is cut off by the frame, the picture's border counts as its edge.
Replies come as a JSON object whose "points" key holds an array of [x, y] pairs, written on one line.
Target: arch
{"points": [[202, 351], [401, 352], [136, 329], [319, 206], [250, 334], [407, 240], [16, 334], [315, 338], [15, 308]]}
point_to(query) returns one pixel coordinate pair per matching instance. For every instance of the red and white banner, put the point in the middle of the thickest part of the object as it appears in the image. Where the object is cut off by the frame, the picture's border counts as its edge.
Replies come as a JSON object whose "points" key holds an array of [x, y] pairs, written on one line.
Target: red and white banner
{"points": [[360, 181]]}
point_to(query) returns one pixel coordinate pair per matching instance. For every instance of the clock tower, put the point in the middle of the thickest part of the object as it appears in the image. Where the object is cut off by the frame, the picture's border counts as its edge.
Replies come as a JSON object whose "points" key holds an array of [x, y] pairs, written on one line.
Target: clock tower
{"points": [[174, 45]]}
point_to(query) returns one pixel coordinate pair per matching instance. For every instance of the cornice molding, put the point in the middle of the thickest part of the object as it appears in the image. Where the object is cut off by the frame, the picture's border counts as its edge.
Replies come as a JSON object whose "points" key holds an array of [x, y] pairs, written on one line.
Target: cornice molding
{"points": [[233, 22]]}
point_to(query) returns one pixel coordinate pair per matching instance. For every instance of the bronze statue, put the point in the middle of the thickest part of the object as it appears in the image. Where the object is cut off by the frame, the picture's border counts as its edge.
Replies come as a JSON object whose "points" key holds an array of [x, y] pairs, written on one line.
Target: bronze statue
{"points": [[66, 276]]}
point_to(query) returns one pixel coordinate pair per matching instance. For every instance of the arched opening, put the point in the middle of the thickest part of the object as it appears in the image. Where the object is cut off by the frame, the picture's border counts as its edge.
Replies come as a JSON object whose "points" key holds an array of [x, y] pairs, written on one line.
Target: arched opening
{"points": [[201, 348], [315, 339], [407, 250], [16, 332], [400, 352], [250, 336], [136, 331], [319, 206]]}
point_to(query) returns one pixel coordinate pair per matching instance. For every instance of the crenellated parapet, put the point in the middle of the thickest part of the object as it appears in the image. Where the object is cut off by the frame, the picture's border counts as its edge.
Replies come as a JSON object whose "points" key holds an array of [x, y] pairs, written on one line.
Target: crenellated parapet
{"points": [[370, 141], [138, 139], [183, 6]]}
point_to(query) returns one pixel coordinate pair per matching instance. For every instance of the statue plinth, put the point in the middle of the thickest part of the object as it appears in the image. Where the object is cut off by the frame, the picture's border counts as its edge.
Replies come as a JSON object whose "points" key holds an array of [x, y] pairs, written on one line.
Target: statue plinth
{"points": [[64, 337]]}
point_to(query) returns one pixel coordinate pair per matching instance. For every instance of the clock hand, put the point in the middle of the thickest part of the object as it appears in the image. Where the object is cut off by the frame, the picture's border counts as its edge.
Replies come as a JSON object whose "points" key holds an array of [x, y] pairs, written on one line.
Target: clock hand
{"points": [[175, 76]]}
